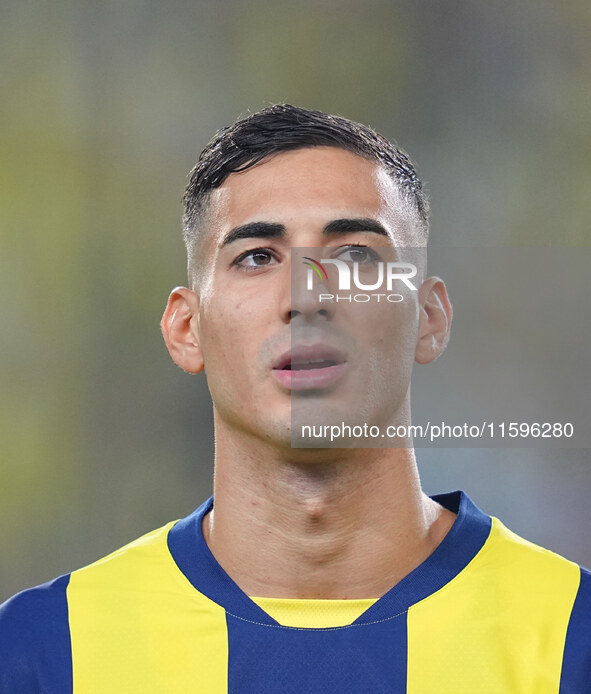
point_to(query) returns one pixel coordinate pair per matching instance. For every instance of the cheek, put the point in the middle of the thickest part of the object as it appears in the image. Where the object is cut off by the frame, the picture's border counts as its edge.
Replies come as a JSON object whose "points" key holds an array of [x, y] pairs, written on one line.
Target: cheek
{"points": [[232, 329], [391, 328], [225, 357], [391, 339], [222, 326]]}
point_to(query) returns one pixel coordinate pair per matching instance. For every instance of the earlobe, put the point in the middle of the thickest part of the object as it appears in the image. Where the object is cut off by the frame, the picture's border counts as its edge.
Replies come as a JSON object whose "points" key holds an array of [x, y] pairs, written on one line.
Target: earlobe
{"points": [[434, 320], [179, 327]]}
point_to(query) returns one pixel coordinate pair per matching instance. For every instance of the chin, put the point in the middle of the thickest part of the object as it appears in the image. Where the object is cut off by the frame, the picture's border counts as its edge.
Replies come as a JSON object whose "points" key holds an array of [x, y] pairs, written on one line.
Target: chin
{"points": [[278, 434]]}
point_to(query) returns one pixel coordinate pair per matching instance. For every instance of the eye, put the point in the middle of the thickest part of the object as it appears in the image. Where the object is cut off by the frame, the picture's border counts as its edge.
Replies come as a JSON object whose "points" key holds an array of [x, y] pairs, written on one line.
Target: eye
{"points": [[359, 254], [255, 258]]}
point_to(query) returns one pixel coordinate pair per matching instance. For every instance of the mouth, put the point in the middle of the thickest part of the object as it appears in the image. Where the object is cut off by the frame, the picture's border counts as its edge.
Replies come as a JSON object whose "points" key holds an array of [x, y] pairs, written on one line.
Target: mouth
{"points": [[310, 367]]}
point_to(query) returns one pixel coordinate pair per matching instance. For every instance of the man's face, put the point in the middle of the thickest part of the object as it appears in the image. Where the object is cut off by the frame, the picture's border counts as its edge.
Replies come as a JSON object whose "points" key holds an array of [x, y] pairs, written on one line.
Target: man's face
{"points": [[273, 355]]}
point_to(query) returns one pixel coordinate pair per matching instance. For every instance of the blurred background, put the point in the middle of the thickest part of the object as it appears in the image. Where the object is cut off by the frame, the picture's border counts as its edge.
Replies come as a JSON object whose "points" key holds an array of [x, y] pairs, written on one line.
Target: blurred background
{"points": [[105, 108]]}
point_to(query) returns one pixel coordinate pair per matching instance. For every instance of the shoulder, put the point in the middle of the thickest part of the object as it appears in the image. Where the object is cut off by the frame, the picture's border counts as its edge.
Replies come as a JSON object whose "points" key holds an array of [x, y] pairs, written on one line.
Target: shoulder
{"points": [[128, 565], [533, 573], [35, 625], [536, 563], [35, 641], [560, 591]]}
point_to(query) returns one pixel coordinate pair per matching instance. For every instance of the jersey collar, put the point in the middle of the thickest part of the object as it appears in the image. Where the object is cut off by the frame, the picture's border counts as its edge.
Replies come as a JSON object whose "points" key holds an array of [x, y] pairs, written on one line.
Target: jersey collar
{"points": [[461, 544]]}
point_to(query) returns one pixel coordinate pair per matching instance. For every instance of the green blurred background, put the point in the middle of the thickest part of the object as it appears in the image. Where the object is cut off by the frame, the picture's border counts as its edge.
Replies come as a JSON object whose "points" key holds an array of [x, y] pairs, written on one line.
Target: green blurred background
{"points": [[104, 109]]}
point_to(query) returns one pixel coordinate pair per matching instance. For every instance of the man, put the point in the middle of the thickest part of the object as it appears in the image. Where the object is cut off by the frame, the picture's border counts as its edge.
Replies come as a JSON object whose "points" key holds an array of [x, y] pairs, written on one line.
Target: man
{"points": [[325, 568]]}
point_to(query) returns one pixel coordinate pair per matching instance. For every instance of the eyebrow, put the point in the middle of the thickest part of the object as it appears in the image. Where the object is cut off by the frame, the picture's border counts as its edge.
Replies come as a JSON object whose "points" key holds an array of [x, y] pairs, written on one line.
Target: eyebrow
{"points": [[254, 230], [345, 226], [270, 230]]}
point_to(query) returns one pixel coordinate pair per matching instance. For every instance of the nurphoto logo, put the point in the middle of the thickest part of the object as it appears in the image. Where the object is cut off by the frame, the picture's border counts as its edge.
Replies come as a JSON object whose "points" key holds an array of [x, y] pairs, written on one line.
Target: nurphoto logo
{"points": [[348, 273]]}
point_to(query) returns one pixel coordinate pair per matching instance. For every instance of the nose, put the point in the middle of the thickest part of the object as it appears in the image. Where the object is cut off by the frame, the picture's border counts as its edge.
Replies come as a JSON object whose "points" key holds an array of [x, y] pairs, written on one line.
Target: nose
{"points": [[310, 312], [310, 298]]}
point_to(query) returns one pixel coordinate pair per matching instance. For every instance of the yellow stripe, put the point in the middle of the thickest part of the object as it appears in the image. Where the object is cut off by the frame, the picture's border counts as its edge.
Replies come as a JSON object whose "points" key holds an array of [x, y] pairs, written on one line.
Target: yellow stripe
{"points": [[314, 614], [498, 627], [138, 625]]}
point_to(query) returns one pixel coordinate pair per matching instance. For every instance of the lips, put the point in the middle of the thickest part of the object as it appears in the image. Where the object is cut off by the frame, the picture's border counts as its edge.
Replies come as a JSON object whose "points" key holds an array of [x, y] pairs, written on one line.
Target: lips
{"points": [[307, 367]]}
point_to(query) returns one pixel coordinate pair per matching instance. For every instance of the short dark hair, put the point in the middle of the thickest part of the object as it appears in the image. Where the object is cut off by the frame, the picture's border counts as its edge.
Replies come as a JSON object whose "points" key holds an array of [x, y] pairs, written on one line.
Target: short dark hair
{"points": [[281, 128]]}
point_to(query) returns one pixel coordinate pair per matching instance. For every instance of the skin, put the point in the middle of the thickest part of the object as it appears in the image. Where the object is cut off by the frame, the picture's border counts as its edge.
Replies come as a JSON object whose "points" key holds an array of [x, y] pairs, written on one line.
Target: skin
{"points": [[308, 523]]}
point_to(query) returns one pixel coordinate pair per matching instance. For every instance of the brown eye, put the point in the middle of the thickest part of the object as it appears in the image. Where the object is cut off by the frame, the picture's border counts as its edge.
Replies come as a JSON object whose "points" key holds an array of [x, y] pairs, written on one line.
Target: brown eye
{"points": [[259, 257]]}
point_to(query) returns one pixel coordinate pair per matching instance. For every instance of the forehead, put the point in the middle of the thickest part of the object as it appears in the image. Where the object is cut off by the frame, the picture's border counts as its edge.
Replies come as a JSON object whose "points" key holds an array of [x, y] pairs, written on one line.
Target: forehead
{"points": [[311, 185]]}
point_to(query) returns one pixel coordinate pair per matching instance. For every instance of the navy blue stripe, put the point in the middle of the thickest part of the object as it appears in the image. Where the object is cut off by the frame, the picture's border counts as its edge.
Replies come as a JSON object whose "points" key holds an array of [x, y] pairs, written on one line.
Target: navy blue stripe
{"points": [[35, 648], [576, 663], [461, 544], [354, 659]]}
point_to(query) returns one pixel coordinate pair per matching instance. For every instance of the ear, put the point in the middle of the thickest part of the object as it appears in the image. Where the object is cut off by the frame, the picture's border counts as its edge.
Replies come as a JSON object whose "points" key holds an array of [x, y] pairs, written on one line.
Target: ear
{"points": [[434, 320], [180, 329]]}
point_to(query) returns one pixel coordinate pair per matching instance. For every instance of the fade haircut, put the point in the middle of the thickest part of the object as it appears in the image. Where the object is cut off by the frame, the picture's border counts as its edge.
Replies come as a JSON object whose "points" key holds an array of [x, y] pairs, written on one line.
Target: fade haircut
{"points": [[282, 128]]}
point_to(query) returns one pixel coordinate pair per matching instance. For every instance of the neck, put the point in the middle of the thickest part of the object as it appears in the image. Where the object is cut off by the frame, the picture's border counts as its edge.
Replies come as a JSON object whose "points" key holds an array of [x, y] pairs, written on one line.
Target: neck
{"points": [[348, 526]]}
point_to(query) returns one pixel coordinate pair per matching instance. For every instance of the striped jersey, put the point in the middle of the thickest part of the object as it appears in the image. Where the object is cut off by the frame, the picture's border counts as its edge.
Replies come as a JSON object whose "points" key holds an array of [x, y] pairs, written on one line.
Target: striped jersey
{"points": [[486, 613]]}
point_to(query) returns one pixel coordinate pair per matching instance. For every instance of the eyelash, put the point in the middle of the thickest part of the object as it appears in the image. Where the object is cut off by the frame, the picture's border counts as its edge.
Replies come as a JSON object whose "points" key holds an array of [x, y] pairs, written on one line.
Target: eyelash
{"points": [[372, 254], [252, 251], [237, 261]]}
